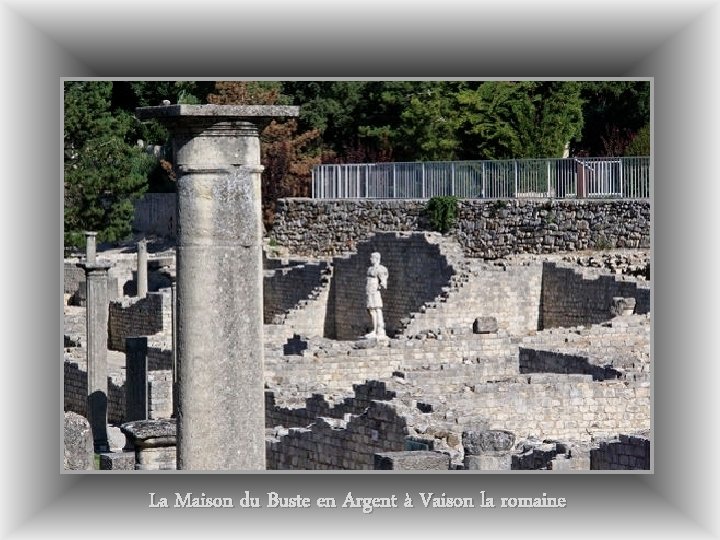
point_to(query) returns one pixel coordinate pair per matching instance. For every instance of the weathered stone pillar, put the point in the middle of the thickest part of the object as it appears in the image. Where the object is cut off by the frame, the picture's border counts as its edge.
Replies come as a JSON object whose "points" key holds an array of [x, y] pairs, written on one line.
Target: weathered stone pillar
{"points": [[173, 307], [96, 284], [136, 379], [221, 424], [142, 269], [90, 246]]}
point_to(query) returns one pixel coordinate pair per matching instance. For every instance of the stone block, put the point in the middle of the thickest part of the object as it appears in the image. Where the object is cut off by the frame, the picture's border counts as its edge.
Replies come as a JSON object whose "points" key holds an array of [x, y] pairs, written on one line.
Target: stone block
{"points": [[481, 442], [151, 433], [79, 454], [488, 462], [485, 325], [412, 461], [116, 439], [117, 461], [622, 306]]}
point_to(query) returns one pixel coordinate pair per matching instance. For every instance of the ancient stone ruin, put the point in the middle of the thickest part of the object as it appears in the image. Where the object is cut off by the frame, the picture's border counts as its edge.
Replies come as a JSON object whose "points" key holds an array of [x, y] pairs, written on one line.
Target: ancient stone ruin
{"points": [[518, 363], [508, 344]]}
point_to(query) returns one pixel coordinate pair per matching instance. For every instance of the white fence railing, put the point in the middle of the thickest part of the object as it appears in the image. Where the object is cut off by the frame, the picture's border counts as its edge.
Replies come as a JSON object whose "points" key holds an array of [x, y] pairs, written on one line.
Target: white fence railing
{"points": [[622, 177]]}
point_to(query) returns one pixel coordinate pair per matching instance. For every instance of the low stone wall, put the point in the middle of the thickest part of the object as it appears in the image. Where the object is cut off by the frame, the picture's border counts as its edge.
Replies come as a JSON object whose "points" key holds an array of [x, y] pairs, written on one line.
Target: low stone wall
{"points": [[339, 445], [418, 271], [131, 317], [75, 393], [285, 287], [627, 452], [485, 228], [570, 299]]}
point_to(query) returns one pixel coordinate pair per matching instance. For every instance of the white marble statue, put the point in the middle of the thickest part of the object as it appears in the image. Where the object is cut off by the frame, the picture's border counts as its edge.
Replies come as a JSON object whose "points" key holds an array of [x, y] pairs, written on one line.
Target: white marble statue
{"points": [[377, 276]]}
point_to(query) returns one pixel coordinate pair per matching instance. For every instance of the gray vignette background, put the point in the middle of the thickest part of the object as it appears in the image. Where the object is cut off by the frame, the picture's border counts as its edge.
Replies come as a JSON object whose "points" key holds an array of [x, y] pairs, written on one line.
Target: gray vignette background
{"points": [[675, 43]]}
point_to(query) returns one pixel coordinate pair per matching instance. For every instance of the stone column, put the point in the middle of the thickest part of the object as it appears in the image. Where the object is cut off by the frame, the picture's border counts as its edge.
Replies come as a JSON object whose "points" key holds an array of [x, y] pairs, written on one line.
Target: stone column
{"points": [[221, 423], [142, 269], [136, 379], [90, 247], [96, 283]]}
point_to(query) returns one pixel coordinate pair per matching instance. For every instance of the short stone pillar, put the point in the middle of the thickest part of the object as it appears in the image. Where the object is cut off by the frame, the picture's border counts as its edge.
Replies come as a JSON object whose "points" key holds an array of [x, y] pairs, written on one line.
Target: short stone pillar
{"points": [[216, 150], [136, 379], [141, 277], [90, 246], [96, 284], [488, 450], [154, 442]]}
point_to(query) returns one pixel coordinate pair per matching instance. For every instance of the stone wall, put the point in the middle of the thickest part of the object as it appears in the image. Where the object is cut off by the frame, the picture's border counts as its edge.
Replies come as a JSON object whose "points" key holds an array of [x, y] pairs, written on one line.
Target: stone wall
{"points": [[75, 393], [571, 299], [132, 316], [485, 228], [418, 272], [338, 444], [285, 287], [156, 214], [511, 295], [627, 452]]}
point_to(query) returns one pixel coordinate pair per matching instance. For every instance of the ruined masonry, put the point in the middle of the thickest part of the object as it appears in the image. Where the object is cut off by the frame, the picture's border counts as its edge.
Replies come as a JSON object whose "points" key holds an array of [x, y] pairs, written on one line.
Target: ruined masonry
{"points": [[523, 362]]}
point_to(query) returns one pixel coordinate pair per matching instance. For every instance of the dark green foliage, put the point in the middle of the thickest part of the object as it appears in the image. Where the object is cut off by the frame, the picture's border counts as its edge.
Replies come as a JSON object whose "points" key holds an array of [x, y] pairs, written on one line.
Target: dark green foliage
{"points": [[614, 112], [640, 144], [442, 212], [104, 171]]}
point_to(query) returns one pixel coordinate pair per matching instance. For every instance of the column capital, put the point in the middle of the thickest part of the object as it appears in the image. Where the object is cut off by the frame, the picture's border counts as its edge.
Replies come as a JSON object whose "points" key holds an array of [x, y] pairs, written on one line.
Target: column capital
{"points": [[216, 120], [96, 267]]}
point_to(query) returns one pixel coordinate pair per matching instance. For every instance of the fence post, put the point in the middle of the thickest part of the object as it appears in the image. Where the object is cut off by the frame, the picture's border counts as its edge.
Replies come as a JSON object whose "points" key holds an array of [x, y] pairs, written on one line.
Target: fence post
{"points": [[483, 180], [422, 176], [516, 178], [394, 186], [452, 178], [548, 179]]}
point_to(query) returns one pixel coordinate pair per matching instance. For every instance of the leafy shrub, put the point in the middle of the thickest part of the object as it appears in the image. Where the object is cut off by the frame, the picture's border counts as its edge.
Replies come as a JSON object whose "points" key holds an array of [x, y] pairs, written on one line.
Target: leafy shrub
{"points": [[442, 212]]}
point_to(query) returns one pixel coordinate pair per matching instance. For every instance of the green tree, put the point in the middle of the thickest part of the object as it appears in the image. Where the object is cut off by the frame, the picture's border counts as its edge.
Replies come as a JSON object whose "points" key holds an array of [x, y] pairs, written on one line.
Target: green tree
{"points": [[524, 119], [104, 171], [613, 112], [640, 144]]}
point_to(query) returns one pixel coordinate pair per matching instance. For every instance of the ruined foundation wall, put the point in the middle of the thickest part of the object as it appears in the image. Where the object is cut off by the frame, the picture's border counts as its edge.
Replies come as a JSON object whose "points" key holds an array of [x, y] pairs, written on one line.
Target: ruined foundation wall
{"points": [[563, 407], [511, 295], [131, 317], [417, 274], [569, 299], [485, 228], [75, 393], [628, 452], [329, 444], [284, 287]]}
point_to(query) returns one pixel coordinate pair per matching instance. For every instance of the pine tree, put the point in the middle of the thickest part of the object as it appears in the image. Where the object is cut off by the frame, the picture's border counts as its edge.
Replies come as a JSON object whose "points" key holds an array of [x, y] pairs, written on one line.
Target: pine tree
{"points": [[104, 171]]}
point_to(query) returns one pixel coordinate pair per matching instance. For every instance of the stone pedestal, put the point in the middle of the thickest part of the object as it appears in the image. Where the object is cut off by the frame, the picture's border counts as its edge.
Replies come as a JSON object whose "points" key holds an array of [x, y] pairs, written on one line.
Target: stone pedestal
{"points": [[221, 424], [488, 450], [154, 442]]}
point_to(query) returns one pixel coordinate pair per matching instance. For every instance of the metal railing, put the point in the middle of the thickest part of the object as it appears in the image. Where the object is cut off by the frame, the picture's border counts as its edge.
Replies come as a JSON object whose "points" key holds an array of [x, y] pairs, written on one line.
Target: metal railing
{"points": [[616, 177]]}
